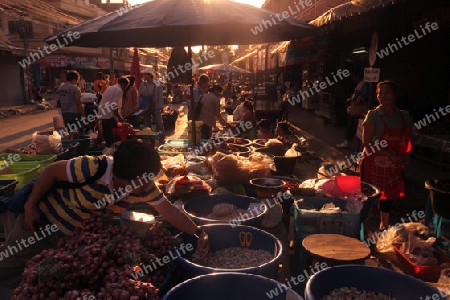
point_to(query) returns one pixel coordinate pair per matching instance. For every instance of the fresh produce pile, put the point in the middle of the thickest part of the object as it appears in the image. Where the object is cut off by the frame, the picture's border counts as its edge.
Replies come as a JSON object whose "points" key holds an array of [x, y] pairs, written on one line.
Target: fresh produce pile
{"points": [[166, 148], [226, 212], [237, 258], [99, 260], [230, 148], [355, 294], [238, 141]]}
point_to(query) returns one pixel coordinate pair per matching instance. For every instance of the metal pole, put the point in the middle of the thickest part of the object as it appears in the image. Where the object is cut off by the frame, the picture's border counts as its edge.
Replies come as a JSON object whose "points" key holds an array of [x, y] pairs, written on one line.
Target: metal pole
{"points": [[194, 132], [111, 66]]}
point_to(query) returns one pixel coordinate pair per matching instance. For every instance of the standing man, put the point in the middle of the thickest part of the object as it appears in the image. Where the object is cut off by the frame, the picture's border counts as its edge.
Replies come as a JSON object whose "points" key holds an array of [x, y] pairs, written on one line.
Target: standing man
{"points": [[108, 109], [70, 99], [210, 111], [151, 102], [199, 90]]}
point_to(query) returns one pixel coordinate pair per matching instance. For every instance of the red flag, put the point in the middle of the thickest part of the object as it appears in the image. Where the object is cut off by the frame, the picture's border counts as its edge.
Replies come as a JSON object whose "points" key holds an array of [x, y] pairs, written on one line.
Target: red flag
{"points": [[135, 69]]}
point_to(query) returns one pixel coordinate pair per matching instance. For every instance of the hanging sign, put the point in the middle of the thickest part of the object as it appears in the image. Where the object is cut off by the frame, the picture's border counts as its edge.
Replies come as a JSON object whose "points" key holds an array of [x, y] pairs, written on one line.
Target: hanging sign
{"points": [[371, 74]]}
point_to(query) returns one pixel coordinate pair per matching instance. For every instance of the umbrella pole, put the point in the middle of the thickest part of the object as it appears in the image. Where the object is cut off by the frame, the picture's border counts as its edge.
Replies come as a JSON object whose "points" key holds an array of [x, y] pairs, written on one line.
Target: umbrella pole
{"points": [[112, 75], [194, 129]]}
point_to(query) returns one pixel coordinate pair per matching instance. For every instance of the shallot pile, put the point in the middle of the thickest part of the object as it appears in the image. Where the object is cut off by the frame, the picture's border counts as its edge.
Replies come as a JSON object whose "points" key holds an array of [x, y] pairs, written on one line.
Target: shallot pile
{"points": [[99, 260], [237, 258], [353, 293]]}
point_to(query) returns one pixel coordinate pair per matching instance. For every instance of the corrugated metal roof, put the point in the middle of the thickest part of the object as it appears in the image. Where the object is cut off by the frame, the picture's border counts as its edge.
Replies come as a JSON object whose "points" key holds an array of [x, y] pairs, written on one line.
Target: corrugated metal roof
{"points": [[6, 46], [349, 9], [253, 52]]}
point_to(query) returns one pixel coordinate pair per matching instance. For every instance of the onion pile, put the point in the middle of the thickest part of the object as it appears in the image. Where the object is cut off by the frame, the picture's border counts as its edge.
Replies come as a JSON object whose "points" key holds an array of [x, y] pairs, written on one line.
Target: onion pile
{"points": [[237, 258], [98, 260]]}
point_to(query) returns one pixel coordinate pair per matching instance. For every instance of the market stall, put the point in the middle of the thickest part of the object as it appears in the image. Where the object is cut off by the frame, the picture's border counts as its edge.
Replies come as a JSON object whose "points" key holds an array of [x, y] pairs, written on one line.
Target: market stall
{"points": [[225, 185]]}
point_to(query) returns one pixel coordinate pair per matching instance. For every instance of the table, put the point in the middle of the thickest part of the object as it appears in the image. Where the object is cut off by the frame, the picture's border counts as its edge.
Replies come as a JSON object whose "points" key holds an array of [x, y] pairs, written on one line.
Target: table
{"points": [[336, 249]]}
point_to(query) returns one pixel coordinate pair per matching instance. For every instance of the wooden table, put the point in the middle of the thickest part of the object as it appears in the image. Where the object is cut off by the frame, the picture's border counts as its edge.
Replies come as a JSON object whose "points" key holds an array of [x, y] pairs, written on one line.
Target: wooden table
{"points": [[335, 249]]}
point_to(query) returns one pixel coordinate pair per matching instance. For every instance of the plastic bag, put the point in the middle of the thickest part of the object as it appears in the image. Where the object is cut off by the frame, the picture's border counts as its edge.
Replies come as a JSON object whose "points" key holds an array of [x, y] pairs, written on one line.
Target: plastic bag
{"points": [[398, 234], [46, 142], [187, 184], [173, 162], [274, 214]]}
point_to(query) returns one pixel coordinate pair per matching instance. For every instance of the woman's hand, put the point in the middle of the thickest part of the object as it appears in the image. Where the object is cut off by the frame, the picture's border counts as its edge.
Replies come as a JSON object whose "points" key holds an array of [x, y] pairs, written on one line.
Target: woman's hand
{"points": [[202, 247], [31, 217]]}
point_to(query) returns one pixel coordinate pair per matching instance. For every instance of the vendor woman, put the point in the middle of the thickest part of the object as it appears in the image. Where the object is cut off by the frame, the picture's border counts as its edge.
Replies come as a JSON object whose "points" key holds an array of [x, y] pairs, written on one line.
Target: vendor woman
{"points": [[249, 117], [386, 124], [81, 183]]}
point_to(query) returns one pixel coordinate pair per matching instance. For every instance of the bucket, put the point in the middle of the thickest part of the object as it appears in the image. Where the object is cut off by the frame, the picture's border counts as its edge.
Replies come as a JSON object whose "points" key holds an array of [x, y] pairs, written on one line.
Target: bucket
{"points": [[285, 165], [440, 196], [223, 236], [367, 278], [349, 184], [341, 186], [199, 207], [225, 286]]}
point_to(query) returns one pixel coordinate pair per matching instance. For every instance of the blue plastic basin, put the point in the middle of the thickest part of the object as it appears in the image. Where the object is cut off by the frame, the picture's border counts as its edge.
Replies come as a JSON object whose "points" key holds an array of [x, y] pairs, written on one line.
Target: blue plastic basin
{"points": [[199, 207], [367, 278], [224, 236], [226, 286]]}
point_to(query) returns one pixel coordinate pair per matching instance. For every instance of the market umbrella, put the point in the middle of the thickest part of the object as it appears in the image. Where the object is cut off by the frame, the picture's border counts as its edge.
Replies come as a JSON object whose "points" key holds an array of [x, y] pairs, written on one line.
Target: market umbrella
{"points": [[224, 68], [135, 69], [170, 23]]}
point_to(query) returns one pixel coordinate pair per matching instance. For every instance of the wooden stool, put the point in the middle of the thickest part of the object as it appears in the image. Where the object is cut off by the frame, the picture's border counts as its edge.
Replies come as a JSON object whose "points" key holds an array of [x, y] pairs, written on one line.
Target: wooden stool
{"points": [[335, 249]]}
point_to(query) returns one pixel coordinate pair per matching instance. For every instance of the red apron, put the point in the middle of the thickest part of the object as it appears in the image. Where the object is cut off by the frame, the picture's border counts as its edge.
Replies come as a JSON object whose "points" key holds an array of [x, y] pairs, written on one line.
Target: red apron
{"points": [[379, 170]]}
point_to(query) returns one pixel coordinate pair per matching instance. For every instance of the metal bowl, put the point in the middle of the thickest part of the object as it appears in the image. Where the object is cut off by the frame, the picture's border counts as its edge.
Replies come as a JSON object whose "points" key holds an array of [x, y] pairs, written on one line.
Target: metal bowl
{"points": [[268, 183]]}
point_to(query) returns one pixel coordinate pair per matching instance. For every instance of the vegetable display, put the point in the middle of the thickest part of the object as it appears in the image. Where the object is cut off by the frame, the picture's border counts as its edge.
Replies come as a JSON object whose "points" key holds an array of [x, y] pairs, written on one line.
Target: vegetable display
{"points": [[98, 260], [237, 258]]}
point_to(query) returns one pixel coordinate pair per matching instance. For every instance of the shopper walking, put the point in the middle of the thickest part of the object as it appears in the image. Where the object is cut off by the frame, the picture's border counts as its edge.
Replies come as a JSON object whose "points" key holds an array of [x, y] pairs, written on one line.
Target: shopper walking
{"points": [[70, 99]]}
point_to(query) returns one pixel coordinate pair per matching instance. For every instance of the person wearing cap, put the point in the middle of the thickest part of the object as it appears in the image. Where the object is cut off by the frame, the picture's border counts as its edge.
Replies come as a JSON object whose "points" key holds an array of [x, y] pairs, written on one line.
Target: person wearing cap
{"points": [[210, 111]]}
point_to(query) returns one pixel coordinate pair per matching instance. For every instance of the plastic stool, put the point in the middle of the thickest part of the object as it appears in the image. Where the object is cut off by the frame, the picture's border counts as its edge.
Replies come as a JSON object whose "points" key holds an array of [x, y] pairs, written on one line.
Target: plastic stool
{"points": [[123, 134]]}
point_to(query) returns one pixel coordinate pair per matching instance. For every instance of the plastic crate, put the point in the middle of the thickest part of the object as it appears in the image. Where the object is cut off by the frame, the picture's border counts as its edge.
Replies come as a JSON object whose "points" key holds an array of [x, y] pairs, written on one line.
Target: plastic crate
{"points": [[83, 146], [30, 159], [307, 221], [70, 151], [22, 173], [7, 187], [425, 273]]}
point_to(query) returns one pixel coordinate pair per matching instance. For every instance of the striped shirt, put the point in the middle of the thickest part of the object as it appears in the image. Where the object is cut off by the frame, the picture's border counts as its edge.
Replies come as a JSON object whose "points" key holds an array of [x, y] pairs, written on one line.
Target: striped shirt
{"points": [[67, 208]]}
